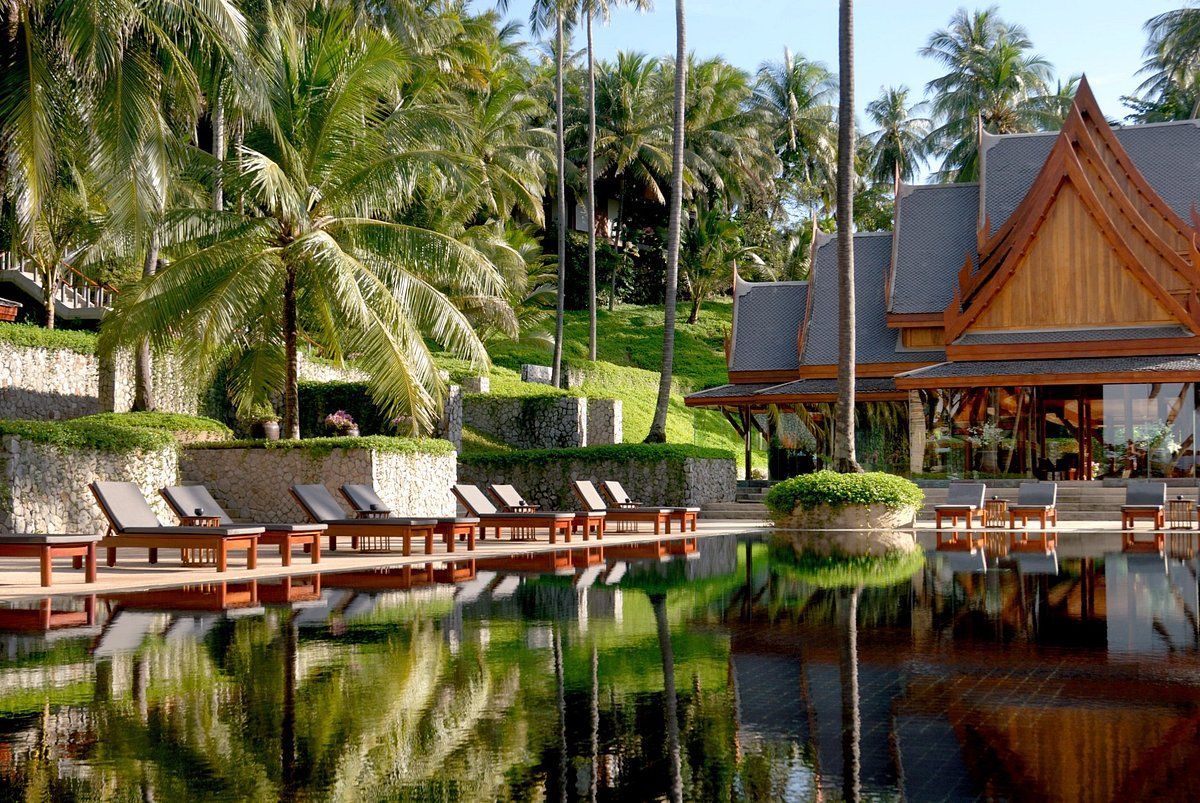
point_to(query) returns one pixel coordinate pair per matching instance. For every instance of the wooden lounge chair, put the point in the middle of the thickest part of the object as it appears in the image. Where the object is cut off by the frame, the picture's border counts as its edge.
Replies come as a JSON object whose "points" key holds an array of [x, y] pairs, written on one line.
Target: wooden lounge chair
{"points": [[615, 492], [1038, 499], [511, 500], [131, 523], [365, 501], [80, 548], [195, 500], [477, 504], [965, 499], [372, 533], [1144, 500], [591, 499]]}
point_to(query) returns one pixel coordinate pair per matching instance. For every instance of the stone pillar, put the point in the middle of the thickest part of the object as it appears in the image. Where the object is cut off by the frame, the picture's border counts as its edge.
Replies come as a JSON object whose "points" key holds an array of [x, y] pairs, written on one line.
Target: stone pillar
{"points": [[604, 422], [540, 374], [452, 416], [477, 384]]}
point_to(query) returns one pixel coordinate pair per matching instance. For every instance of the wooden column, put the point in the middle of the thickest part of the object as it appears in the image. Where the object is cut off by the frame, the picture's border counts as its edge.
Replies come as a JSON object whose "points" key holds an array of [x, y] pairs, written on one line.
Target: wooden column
{"points": [[748, 428]]}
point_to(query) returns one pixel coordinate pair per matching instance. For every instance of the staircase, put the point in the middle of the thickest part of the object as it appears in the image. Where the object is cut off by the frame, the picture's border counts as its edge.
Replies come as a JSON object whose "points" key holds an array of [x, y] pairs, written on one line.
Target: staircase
{"points": [[77, 298], [747, 505]]}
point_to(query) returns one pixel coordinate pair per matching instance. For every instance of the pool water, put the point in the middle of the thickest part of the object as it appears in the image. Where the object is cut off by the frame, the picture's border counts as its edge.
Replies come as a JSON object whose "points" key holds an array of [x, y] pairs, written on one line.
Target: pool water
{"points": [[728, 673]]}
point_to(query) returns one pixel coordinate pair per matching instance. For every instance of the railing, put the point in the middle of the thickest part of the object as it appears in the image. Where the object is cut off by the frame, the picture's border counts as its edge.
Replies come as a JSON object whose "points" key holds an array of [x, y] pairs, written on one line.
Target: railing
{"points": [[74, 291]]}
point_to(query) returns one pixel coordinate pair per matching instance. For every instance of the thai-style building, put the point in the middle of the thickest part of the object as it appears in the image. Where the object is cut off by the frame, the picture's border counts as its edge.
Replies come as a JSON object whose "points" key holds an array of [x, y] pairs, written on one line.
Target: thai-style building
{"points": [[1041, 322]]}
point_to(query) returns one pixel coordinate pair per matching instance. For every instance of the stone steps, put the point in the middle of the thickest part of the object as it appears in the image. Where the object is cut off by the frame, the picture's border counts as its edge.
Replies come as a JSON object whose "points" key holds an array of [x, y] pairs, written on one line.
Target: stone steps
{"points": [[741, 511]]}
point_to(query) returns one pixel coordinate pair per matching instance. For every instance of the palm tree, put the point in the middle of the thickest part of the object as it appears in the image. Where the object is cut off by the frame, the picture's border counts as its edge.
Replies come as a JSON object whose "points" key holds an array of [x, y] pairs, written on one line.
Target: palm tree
{"points": [[1172, 66], [897, 146], [993, 79], [843, 445], [708, 253], [592, 9], [658, 427], [631, 141], [319, 253]]}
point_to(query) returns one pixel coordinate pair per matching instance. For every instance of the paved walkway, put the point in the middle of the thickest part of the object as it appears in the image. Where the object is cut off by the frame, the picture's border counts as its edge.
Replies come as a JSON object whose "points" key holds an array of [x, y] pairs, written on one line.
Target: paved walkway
{"points": [[19, 578]]}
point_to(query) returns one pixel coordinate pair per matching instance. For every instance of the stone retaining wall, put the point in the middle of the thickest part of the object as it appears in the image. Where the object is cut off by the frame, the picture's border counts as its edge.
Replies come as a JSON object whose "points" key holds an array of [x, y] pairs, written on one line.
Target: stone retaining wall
{"points": [[605, 422], [535, 422], [252, 484], [681, 481], [44, 488]]}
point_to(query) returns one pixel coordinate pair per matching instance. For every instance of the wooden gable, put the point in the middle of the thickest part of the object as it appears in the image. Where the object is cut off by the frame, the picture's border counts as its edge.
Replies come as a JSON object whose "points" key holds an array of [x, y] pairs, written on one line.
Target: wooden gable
{"points": [[1091, 245]]}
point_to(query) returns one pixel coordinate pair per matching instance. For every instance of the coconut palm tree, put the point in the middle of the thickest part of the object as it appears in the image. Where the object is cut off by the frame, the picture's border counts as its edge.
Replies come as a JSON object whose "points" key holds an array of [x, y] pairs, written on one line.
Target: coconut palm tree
{"points": [[993, 79], [591, 10], [843, 445], [322, 251], [1172, 66], [897, 146], [631, 138], [708, 254], [658, 427]]}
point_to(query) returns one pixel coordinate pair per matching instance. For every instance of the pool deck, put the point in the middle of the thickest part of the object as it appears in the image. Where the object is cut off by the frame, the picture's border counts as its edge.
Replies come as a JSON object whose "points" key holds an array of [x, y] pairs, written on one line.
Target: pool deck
{"points": [[19, 577]]}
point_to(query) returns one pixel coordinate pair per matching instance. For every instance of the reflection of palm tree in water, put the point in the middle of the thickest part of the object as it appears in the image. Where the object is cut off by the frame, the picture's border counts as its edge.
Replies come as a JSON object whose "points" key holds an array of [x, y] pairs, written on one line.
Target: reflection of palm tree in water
{"points": [[659, 603], [561, 702], [847, 620]]}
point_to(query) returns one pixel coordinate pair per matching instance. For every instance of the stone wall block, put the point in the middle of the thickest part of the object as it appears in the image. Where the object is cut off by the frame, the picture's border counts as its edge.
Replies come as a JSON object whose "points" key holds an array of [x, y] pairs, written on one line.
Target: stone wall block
{"points": [[604, 422], [541, 374], [529, 423]]}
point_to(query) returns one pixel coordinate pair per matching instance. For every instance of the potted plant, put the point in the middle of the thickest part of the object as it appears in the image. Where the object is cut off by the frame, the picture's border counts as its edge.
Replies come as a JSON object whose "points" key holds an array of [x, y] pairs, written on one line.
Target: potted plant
{"points": [[342, 423], [987, 439], [265, 421]]}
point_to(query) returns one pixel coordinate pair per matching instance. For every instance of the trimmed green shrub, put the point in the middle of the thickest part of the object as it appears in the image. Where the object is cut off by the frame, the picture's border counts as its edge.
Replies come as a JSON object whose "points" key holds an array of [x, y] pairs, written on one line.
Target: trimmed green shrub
{"points": [[844, 571], [323, 446], [24, 334], [620, 452], [81, 433], [839, 490], [172, 422]]}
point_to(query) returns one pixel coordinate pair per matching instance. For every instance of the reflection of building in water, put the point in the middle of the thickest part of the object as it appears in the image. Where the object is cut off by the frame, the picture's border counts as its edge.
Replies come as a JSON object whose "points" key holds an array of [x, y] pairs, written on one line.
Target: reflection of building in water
{"points": [[1152, 604]]}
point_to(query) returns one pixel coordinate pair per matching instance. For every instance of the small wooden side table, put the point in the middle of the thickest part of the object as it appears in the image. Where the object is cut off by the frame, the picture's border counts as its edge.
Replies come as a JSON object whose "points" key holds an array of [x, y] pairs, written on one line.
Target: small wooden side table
{"points": [[196, 556], [372, 514], [1179, 513], [995, 512]]}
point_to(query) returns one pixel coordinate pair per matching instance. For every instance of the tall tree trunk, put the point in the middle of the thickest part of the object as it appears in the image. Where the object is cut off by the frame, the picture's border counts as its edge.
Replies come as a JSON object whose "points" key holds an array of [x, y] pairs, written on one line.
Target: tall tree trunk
{"points": [[560, 159], [143, 363], [694, 315], [619, 233], [591, 190], [49, 285], [291, 392], [218, 147], [916, 432], [844, 457], [671, 704], [658, 429]]}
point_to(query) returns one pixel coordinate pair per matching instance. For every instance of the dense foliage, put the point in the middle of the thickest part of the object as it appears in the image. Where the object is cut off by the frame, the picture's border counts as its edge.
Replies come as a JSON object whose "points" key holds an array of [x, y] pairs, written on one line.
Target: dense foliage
{"points": [[170, 422], [840, 490], [323, 446], [19, 334], [80, 433], [621, 453]]}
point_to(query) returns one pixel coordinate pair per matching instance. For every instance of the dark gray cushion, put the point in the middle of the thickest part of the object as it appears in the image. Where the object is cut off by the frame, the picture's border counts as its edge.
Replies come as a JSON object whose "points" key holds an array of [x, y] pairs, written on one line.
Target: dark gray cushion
{"points": [[186, 499], [363, 497], [53, 539], [616, 511], [474, 500], [124, 505], [286, 528], [318, 503], [1037, 494], [965, 494], [547, 515], [170, 531], [388, 522], [1142, 494]]}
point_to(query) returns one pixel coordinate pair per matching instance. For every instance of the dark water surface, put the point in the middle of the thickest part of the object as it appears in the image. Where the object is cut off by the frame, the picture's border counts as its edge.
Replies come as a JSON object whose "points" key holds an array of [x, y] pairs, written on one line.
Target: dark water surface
{"points": [[726, 674]]}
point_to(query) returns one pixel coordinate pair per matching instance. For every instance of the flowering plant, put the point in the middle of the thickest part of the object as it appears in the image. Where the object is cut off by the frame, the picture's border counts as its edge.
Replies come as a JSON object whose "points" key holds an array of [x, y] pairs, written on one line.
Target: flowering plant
{"points": [[340, 421], [987, 436]]}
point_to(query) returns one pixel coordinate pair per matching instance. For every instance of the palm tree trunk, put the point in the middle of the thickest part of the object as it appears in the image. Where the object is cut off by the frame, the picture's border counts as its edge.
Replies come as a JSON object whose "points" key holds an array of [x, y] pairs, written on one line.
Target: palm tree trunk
{"points": [[916, 432], [49, 283], [560, 157], [694, 315], [591, 191], [291, 391], [218, 146], [143, 364], [619, 232], [843, 446], [658, 429], [674, 760], [847, 616]]}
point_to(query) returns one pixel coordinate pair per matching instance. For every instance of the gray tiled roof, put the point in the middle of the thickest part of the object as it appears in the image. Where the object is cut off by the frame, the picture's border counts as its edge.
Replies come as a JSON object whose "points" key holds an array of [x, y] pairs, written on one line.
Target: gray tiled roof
{"points": [[1072, 335], [1167, 154], [935, 230], [884, 384], [767, 323], [1148, 365], [730, 391], [876, 342]]}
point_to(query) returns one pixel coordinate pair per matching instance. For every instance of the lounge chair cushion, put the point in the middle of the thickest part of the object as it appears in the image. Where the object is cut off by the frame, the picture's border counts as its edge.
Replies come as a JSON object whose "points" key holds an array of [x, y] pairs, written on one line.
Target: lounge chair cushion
{"points": [[616, 492], [964, 496], [185, 500], [1036, 495], [168, 532], [272, 527], [590, 497], [474, 500], [536, 514], [457, 520], [388, 522], [47, 539], [1146, 494], [508, 496], [319, 503], [615, 512], [363, 497], [1141, 507], [124, 505]]}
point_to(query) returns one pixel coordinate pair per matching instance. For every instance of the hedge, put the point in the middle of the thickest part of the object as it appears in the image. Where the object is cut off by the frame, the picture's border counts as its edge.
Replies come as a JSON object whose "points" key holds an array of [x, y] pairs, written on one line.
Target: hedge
{"points": [[319, 399], [171, 422], [323, 446], [839, 490], [620, 452], [25, 334], [81, 433]]}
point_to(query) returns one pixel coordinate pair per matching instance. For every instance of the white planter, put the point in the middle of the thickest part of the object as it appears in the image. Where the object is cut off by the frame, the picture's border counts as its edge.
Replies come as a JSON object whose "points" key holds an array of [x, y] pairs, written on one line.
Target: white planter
{"points": [[849, 517]]}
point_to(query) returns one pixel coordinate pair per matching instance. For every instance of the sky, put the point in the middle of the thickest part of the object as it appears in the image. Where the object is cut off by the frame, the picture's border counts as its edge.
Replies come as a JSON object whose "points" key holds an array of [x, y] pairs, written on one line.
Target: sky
{"points": [[1102, 38]]}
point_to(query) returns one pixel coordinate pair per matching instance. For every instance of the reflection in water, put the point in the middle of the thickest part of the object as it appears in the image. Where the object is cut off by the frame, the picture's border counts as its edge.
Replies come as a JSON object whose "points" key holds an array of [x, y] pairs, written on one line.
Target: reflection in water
{"points": [[729, 675]]}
